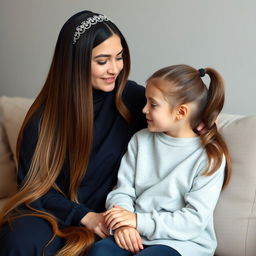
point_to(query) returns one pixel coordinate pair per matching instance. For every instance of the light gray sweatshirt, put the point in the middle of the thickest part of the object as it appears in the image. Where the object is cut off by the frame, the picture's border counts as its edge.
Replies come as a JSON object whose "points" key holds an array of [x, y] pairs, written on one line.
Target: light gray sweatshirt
{"points": [[160, 179]]}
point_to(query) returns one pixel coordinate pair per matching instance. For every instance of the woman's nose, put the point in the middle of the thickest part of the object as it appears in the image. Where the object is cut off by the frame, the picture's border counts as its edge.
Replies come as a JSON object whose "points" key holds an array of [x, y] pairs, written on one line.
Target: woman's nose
{"points": [[113, 68]]}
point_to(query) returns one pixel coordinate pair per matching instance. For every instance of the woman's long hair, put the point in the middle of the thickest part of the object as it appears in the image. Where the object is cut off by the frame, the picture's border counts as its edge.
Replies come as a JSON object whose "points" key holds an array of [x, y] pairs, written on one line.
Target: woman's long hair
{"points": [[66, 125], [185, 86]]}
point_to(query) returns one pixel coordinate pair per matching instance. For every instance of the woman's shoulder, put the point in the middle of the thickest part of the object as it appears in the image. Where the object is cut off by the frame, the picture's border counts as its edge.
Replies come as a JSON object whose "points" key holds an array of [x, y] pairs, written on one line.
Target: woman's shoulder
{"points": [[130, 84], [134, 99], [134, 91], [32, 127], [29, 136]]}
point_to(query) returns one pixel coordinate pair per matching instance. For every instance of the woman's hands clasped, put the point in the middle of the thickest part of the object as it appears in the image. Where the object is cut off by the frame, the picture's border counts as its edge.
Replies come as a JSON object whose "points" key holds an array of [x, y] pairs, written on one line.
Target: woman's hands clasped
{"points": [[96, 223]]}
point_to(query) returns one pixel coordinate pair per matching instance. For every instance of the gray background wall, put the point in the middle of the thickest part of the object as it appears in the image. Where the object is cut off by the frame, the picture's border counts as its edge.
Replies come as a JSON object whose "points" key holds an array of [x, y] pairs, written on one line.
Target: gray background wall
{"points": [[201, 33]]}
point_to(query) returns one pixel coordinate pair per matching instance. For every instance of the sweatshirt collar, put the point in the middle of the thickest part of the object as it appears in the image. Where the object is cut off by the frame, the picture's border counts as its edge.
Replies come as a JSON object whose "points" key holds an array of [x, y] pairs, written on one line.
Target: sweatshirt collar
{"points": [[174, 141]]}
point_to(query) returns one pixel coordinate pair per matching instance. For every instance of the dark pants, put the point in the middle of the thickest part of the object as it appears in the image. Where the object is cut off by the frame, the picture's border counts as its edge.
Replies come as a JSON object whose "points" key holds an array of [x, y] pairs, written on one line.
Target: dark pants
{"points": [[108, 247], [27, 236]]}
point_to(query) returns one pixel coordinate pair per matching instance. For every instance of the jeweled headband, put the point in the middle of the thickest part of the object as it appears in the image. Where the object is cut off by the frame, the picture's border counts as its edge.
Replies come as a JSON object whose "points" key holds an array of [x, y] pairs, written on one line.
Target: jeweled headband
{"points": [[87, 24]]}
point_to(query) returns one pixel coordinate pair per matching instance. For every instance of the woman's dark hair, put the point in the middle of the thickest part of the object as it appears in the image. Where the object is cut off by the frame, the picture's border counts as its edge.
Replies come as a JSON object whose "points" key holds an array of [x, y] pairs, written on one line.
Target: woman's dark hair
{"points": [[66, 125]]}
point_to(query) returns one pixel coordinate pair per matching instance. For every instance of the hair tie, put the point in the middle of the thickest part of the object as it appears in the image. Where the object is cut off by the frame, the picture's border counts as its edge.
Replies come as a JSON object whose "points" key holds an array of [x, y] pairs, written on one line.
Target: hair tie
{"points": [[201, 72]]}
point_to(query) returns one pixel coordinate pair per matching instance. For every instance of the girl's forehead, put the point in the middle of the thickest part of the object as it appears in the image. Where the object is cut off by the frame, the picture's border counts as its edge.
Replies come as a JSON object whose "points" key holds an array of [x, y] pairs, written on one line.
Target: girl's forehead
{"points": [[165, 86], [153, 91], [160, 90], [157, 85]]}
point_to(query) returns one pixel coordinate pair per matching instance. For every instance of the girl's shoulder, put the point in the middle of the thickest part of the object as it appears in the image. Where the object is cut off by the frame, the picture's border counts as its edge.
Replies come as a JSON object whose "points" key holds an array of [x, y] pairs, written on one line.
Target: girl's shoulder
{"points": [[143, 136]]}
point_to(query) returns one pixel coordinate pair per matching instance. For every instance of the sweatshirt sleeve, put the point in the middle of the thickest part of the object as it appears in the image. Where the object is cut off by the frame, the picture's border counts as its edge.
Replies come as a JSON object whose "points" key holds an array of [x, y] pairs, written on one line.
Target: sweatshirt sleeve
{"points": [[188, 222], [66, 211], [124, 193]]}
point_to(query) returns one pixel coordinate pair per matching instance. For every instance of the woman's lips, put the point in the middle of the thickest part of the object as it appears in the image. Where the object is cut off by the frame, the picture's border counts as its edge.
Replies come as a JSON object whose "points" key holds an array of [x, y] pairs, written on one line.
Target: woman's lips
{"points": [[109, 80]]}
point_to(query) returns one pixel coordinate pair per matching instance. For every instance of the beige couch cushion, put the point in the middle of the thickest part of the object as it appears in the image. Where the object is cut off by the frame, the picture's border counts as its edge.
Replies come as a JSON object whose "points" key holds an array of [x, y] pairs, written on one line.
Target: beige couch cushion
{"points": [[235, 215], [12, 113], [7, 166]]}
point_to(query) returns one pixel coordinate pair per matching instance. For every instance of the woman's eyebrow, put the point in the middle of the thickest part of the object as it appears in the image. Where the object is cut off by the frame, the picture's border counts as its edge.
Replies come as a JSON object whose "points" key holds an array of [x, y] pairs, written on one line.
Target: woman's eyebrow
{"points": [[106, 55], [120, 52], [102, 55]]}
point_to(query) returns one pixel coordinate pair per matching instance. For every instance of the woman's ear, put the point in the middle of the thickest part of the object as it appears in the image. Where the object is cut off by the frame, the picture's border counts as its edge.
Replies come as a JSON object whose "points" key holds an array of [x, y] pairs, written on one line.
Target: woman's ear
{"points": [[182, 111]]}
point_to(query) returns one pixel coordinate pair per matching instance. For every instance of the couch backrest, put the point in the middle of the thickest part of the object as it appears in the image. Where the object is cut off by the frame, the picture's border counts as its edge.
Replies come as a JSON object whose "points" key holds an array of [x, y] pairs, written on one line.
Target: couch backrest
{"points": [[12, 113], [235, 214]]}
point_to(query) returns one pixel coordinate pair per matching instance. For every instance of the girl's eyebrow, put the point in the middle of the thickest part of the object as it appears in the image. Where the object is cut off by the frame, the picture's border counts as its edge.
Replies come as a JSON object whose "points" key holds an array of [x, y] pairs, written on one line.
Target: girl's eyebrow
{"points": [[106, 55], [152, 99]]}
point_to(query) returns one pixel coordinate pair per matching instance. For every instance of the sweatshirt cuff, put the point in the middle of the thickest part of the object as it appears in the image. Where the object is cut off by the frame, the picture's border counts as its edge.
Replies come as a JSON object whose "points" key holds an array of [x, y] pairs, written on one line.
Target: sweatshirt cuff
{"points": [[79, 213], [145, 223]]}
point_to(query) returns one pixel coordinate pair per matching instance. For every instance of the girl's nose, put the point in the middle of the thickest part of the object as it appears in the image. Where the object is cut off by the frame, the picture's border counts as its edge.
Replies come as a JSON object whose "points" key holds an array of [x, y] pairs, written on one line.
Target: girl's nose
{"points": [[145, 110]]}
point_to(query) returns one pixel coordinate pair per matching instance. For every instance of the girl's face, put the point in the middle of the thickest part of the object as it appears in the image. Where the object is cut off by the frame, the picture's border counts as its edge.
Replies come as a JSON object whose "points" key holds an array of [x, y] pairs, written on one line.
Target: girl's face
{"points": [[107, 63], [159, 114], [163, 117]]}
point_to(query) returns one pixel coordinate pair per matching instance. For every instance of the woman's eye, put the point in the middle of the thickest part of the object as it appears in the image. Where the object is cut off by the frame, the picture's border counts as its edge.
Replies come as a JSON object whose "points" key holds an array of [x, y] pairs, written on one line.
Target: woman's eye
{"points": [[119, 58], [102, 62], [153, 105]]}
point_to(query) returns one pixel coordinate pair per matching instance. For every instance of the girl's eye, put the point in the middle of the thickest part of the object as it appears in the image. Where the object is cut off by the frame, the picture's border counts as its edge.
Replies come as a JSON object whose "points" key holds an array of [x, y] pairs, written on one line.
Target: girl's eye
{"points": [[153, 105]]}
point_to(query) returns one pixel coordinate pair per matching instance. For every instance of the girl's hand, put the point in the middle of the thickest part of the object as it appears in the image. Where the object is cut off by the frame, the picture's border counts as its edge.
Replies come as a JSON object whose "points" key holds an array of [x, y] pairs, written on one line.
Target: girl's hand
{"points": [[117, 217], [129, 239], [95, 222]]}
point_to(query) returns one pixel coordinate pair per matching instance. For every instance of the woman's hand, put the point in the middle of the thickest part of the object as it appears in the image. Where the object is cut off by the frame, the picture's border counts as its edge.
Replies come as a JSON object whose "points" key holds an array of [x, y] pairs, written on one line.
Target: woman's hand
{"points": [[129, 239], [117, 217], [201, 129], [95, 222]]}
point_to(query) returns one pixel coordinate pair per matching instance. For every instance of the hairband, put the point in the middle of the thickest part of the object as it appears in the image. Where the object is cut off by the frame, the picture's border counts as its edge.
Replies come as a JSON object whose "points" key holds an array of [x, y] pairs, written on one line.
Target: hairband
{"points": [[87, 24], [202, 72]]}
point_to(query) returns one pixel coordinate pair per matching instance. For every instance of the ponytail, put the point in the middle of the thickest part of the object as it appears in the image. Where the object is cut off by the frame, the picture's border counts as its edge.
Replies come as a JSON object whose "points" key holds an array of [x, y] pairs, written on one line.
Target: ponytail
{"points": [[212, 141]]}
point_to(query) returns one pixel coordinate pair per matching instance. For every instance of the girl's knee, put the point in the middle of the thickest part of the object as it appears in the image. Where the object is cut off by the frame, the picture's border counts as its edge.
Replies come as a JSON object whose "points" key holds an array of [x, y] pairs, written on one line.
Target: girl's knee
{"points": [[107, 247], [99, 248]]}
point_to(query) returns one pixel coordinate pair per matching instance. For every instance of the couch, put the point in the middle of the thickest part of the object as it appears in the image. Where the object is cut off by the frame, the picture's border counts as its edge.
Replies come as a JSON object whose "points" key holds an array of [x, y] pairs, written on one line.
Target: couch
{"points": [[235, 214]]}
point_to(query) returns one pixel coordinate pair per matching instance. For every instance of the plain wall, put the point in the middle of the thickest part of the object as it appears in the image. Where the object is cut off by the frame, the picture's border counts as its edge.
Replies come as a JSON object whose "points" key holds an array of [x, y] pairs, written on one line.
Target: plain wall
{"points": [[201, 33]]}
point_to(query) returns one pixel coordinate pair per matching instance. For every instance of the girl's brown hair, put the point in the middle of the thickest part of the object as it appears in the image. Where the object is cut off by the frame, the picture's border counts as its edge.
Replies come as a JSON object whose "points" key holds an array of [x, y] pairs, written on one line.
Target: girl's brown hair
{"points": [[185, 85], [66, 125]]}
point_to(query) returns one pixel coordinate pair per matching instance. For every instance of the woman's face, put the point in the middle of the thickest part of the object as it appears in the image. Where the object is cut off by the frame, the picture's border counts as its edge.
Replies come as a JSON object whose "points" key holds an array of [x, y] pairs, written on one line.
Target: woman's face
{"points": [[107, 63]]}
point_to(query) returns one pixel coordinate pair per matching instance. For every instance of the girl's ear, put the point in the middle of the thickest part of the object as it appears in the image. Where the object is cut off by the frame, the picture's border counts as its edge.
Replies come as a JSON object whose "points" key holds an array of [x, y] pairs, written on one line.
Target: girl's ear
{"points": [[182, 111]]}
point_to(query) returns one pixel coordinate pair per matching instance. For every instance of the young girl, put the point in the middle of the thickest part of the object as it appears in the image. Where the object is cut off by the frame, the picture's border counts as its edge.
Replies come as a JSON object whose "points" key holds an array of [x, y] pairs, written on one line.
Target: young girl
{"points": [[171, 177]]}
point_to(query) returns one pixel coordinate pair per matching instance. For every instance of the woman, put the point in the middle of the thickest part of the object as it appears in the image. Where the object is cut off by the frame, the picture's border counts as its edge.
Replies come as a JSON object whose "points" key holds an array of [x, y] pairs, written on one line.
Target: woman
{"points": [[71, 142]]}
